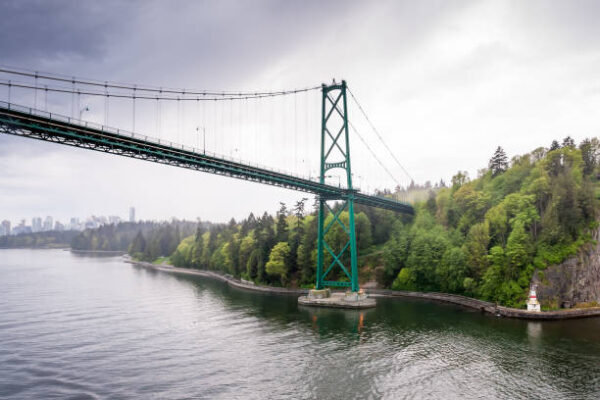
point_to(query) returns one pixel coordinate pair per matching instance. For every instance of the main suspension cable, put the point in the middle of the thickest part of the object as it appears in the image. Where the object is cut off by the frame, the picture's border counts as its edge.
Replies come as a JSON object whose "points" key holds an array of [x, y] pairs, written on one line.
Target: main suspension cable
{"points": [[373, 153], [152, 89], [148, 97], [378, 135]]}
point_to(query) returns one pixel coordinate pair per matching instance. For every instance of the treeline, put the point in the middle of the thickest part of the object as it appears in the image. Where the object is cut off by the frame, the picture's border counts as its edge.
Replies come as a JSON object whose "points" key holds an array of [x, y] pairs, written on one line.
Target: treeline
{"points": [[486, 237], [280, 250], [50, 239], [119, 237], [483, 237]]}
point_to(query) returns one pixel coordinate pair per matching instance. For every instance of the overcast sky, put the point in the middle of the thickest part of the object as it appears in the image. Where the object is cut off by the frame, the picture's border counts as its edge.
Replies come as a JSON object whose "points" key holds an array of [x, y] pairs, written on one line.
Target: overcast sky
{"points": [[445, 82]]}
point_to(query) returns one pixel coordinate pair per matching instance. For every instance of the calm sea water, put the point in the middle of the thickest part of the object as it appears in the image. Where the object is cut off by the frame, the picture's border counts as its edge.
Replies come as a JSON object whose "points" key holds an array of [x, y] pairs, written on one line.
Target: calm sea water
{"points": [[83, 327]]}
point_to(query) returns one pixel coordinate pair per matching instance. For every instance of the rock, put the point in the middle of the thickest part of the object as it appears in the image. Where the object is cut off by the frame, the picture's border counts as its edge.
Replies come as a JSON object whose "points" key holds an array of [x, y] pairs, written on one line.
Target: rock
{"points": [[576, 280]]}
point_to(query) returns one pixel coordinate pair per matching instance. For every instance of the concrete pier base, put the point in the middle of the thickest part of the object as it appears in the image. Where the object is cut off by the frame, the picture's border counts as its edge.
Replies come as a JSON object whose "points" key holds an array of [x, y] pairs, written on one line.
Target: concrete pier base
{"points": [[324, 298]]}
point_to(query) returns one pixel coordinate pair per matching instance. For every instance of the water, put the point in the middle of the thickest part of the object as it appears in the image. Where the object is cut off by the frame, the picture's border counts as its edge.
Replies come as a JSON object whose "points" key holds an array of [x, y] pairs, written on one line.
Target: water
{"points": [[94, 327]]}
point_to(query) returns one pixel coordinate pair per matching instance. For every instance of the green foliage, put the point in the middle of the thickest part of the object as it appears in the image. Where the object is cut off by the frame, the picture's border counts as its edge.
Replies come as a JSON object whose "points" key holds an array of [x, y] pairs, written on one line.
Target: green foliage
{"points": [[277, 265], [50, 239], [483, 237], [452, 271], [486, 237], [406, 280]]}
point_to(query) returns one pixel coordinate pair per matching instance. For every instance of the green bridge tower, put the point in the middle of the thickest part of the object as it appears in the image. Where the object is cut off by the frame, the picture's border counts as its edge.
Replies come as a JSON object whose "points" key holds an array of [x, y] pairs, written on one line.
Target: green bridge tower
{"points": [[335, 153]]}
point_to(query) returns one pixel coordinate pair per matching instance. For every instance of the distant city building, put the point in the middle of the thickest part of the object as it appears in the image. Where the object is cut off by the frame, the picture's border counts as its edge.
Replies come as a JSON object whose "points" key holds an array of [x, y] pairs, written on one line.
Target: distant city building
{"points": [[36, 224], [75, 225], [5, 228], [21, 228], [48, 223]]}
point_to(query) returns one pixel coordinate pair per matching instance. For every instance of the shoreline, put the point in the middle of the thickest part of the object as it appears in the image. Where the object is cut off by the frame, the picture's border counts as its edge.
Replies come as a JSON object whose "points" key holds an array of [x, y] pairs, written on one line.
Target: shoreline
{"points": [[107, 252], [459, 300]]}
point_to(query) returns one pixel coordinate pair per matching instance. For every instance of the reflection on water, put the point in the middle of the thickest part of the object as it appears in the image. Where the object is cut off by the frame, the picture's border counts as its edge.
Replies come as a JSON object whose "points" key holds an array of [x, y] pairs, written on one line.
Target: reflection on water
{"points": [[88, 327]]}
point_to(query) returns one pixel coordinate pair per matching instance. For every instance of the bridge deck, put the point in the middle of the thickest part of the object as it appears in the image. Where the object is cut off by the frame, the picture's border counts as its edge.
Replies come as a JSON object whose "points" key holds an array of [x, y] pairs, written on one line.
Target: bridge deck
{"points": [[36, 124]]}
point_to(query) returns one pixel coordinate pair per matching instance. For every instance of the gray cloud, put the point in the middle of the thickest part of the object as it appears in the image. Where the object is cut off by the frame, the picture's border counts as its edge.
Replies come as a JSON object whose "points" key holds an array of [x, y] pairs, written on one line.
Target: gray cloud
{"points": [[50, 31], [445, 82]]}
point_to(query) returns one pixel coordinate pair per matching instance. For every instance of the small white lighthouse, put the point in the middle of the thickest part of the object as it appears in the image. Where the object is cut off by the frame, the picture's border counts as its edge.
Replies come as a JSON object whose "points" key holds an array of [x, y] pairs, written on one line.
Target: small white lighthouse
{"points": [[532, 302]]}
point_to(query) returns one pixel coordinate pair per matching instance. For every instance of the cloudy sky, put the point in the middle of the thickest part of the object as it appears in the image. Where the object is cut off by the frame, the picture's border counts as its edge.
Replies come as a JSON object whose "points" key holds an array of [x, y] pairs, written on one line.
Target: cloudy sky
{"points": [[445, 82]]}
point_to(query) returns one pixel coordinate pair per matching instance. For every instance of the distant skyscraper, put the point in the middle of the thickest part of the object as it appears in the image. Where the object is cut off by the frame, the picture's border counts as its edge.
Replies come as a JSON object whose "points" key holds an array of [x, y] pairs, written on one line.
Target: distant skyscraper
{"points": [[131, 214], [48, 222], [36, 224], [6, 227]]}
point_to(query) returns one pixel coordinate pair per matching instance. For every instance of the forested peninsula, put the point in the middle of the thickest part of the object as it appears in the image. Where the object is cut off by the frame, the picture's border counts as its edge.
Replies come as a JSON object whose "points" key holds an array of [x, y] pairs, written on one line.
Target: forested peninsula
{"points": [[485, 237]]}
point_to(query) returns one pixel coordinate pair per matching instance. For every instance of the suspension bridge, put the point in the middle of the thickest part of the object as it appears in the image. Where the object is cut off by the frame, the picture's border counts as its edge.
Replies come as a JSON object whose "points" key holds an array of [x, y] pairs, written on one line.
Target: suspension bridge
{"points": [[30, 121]]}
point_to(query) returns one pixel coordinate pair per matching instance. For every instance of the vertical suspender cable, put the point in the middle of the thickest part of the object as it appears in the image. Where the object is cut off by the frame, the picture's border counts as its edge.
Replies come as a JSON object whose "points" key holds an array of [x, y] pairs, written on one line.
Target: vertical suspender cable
{"points": [[156, 120], [159, 114], [178, 119], [133, 122], [197, 123], [106, 104], [183, 121], [73, 98], [295, 137], [203, 128], [35, 91]]}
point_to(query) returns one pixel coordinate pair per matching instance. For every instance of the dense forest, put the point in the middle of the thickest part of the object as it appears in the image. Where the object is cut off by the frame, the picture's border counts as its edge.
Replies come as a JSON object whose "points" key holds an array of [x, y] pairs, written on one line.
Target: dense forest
{"points": [[50, 239], [483, 237], [162, 237]]}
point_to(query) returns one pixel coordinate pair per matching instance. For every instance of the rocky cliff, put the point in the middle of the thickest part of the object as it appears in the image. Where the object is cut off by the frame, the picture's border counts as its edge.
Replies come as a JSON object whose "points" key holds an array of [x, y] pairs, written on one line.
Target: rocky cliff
{"points": [[576, 280]]}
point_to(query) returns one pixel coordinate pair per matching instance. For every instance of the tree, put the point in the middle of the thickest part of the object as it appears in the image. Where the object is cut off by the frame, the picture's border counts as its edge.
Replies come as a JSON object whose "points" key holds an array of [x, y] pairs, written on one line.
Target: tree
{"points": [[568, 142], [138, 246], [306, 257], [554, 146], [247, 246], [276, 266], [475, 248], [255, 265], [499, 162], [406, 280], [452, 270], [426, 251], [588, 154], [460, 179], [299, 212], [362, 228], [431, 204], [282, 226]]}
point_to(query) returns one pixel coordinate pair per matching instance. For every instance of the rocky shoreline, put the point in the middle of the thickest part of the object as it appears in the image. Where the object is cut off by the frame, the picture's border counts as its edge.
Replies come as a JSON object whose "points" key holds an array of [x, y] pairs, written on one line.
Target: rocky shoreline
{"points": [[468, 302]]}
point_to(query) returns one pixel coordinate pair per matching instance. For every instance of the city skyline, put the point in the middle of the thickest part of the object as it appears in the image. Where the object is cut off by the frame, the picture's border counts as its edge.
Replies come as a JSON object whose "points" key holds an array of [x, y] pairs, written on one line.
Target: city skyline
{"points": [[49, 223]]}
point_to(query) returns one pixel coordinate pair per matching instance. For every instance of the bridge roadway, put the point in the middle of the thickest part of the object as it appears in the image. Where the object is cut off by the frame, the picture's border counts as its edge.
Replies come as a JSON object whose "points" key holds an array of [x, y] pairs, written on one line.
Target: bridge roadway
{"points": [[41, 125]]}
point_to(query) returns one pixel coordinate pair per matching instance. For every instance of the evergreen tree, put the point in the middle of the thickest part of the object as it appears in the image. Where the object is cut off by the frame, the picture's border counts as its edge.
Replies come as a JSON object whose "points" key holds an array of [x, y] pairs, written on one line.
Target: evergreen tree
{"points": [[554, 146], [568, 142], [138, 246], [588, 154], [282, 228], [499, 162]]}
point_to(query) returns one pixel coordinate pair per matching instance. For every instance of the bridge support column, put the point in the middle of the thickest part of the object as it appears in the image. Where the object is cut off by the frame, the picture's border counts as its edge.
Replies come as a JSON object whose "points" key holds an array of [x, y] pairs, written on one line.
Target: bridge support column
{"points": [[335, 154]]}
